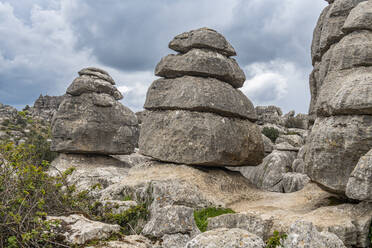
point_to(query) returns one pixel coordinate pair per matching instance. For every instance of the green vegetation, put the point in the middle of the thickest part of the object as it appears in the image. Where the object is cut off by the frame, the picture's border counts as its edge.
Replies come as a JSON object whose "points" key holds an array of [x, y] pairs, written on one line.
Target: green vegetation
{"points": [[276, 240], [201, 216], [271, 133], [129, 220], [28, 194]]}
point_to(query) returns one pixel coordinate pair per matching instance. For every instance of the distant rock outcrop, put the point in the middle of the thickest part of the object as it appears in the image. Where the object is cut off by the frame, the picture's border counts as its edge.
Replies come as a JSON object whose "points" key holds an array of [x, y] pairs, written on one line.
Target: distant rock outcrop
{"points": [[91, 120], [196, 115], [341, 93], [45, 107]]}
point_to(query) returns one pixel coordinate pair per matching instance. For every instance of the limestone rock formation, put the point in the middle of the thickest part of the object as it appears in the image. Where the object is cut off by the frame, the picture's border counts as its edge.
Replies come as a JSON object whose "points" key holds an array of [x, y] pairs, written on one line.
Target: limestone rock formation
{"points": [[202, 38], [304, 234], [359, 185], [45, 107], [91, 120], [195, 114], [78, 230], [341, 93], [227, 238]]}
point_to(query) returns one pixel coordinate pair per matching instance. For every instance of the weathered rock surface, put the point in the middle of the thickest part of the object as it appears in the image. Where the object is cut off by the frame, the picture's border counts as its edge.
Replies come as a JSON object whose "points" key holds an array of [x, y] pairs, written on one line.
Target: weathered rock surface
{"points": [[87, 84], [334, 148], [199, 94], [141, 115], [97, 73], [203, 63], [269, 114], [292, 139], [346, 92], [130, 241], [45, 107], [94, 123], [202, 38], [269, 174], [293, 182], [353, 50], [248, 222], [76, 229], [175, 240], [201, 139], [171, 220], [360, 18], [304, 234], [341, 93], [333, 22], [91, 120], [268, 145], [359, 185], [227, 238], [90, 170]]}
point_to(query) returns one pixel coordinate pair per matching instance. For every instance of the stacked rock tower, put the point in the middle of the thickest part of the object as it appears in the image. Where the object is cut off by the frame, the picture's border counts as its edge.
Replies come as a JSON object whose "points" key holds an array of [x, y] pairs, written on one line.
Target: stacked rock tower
{"points": [[341, 93], [196, 113], [91, 120]]}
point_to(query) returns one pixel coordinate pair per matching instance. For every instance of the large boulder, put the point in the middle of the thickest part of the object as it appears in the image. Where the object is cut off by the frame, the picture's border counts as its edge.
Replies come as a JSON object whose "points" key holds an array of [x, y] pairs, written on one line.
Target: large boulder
{"points": [[202, 38], [304, 234], [269, 174], [359, 185], [196, 115], [203, 63], [335, 145], [91, 120], [359, 18], [341, 94], [346, 92], [199, 94], [200, 138]]}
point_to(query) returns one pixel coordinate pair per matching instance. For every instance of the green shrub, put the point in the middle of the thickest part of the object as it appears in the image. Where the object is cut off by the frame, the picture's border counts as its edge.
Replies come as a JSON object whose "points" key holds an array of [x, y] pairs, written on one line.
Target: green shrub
{"points": [[129, 220], [271, 133], [276, 240], [27, 195], [201, 216]]}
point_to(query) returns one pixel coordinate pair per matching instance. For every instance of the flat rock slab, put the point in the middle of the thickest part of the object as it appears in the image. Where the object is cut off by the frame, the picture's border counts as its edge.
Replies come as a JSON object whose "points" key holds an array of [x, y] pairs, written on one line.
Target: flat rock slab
{"points": [[207, 139], [90, 170], [79, 230], [199, 94], [334, 147], [97, 73], [88, 84], [202, 38], [203, 63], [227, 238], [94, 123], [359, 186]]}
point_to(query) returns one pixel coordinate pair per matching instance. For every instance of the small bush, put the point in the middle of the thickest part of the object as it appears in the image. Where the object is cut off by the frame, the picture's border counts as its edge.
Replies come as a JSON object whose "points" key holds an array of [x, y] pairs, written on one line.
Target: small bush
{"points": [[129, 220], [201, 216], [271, 133], [28, 195], [276, 240]]}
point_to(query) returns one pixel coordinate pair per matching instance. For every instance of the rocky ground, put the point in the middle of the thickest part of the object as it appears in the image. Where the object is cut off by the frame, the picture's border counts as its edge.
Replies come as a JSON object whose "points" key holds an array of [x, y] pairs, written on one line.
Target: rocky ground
{"points": [[262, 179]]}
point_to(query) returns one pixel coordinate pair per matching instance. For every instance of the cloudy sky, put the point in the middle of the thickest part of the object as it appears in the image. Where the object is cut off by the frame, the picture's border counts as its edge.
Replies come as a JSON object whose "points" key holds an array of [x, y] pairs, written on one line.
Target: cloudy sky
{"points": [[45, 42]]}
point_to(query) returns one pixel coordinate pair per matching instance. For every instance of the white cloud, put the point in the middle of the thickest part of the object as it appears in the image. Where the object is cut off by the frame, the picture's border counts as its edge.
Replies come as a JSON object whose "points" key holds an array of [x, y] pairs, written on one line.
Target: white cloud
{"points": [[274, 82]]}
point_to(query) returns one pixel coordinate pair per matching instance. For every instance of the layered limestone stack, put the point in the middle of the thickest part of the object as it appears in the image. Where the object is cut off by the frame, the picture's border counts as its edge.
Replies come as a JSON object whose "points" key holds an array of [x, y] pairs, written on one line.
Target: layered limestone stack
{"points": [[196, 113], [341, 90], [91, 120]]}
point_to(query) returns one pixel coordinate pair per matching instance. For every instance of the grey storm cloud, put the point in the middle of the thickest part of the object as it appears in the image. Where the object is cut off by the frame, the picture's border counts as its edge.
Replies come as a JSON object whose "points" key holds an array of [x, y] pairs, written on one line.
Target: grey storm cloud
{"points": [[48, 41]]}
